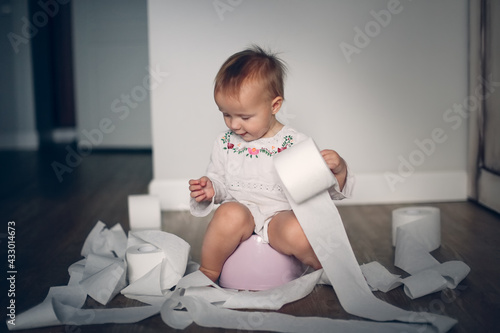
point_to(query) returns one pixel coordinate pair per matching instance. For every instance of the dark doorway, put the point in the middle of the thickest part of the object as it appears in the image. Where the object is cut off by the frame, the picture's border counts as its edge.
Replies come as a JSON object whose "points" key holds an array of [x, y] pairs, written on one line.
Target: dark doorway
{"points": [[51, 49]]}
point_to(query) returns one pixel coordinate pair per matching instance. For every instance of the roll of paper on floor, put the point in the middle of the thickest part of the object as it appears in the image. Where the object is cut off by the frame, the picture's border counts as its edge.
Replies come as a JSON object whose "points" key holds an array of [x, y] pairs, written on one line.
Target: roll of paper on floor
{"points": [[141, 259], [144, 212], [425, 225]]}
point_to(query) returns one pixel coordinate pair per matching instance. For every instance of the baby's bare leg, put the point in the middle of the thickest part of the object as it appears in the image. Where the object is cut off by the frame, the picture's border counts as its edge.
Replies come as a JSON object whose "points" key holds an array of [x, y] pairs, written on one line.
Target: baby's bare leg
{"points": [[286, 236], [232, 223]]}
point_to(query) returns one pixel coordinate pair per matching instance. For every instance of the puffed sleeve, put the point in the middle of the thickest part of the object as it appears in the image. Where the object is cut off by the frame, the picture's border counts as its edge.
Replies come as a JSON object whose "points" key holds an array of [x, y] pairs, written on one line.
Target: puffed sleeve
{"points": [[215, 172]]}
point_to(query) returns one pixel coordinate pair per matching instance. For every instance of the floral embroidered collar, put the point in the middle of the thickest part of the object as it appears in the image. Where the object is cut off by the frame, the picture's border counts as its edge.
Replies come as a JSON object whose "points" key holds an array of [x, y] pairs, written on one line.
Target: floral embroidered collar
{"points": [[254, 151]]}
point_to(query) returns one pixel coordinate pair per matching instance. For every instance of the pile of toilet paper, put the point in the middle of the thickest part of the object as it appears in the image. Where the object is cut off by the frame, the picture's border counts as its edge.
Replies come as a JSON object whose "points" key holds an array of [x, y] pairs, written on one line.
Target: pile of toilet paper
{"points": [[170, 288]]}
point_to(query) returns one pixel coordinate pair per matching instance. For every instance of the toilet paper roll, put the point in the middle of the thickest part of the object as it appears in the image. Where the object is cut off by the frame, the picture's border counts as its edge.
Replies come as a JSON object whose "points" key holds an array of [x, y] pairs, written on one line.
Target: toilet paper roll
{"points": [[144, 212], [425, 228], [175, 249], [141, 259], [305, 160]]}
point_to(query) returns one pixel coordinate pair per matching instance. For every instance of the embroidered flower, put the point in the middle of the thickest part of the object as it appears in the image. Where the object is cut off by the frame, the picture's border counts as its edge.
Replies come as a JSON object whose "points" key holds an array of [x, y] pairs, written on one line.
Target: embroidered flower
{"points": [[253, 152], [230, 145], [281, 149]]}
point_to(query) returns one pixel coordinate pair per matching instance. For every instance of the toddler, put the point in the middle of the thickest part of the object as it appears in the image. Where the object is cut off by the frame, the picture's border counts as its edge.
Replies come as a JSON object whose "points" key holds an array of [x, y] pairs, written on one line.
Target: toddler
{"points": [[249, 91]]}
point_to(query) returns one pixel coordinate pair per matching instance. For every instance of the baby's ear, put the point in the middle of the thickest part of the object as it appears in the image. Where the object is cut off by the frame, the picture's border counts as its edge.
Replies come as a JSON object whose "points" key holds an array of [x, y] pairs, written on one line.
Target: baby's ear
{"points": [[276, 104]]}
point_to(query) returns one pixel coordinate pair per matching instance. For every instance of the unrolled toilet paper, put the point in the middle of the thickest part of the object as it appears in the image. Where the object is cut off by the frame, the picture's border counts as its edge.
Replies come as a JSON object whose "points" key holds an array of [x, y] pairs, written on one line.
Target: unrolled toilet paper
{"points": [[416, 231], [100, 275], [322, 224], [144, 212], [142, 258]]}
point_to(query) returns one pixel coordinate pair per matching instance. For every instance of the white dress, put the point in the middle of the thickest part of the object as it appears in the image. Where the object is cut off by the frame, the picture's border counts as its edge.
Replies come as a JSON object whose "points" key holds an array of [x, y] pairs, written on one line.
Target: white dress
{"points": [[244, 172]]}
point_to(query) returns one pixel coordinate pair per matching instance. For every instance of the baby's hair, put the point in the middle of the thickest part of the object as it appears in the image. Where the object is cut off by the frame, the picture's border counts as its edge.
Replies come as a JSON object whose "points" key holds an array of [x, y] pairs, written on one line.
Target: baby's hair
{"points": [[249, 64]]}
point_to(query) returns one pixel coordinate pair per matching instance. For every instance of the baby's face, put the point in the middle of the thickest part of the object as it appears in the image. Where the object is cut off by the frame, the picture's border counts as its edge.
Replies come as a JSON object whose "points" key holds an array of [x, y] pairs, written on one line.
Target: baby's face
{"points": [[252, 115]]}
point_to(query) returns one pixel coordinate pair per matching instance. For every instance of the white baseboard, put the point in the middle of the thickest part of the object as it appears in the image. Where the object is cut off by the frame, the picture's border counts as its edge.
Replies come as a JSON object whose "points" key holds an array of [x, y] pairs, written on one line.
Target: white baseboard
{"points": [[26, 140], [418, 188], [370, 189]]}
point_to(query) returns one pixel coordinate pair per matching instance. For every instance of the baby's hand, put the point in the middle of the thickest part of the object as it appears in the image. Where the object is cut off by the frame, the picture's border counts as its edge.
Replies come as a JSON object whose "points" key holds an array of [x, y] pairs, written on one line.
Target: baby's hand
{"points": [[334, 161], [201, 189], [336, 164]]}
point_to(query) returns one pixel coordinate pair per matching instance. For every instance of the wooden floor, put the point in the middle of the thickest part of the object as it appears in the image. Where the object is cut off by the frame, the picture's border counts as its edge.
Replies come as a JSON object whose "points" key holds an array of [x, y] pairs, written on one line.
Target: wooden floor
{"points": [[53, 218]]}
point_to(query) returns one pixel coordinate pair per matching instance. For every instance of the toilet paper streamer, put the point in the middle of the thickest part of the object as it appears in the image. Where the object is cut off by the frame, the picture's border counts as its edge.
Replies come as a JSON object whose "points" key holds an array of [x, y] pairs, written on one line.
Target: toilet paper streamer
{"points": [[144, 212], [100, 275], [322, 224], [416, 231], [203, 300]]}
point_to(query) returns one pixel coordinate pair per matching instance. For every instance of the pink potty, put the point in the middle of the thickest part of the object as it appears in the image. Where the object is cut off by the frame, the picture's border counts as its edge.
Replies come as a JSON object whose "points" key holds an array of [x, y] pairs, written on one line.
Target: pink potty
{"points": [[255, 265]]}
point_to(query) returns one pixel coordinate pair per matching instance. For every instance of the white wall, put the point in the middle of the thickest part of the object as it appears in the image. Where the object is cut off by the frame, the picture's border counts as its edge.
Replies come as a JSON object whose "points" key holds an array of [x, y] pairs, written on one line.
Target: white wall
{"points": [[17, 111], [371, 107], [110, 47]]}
